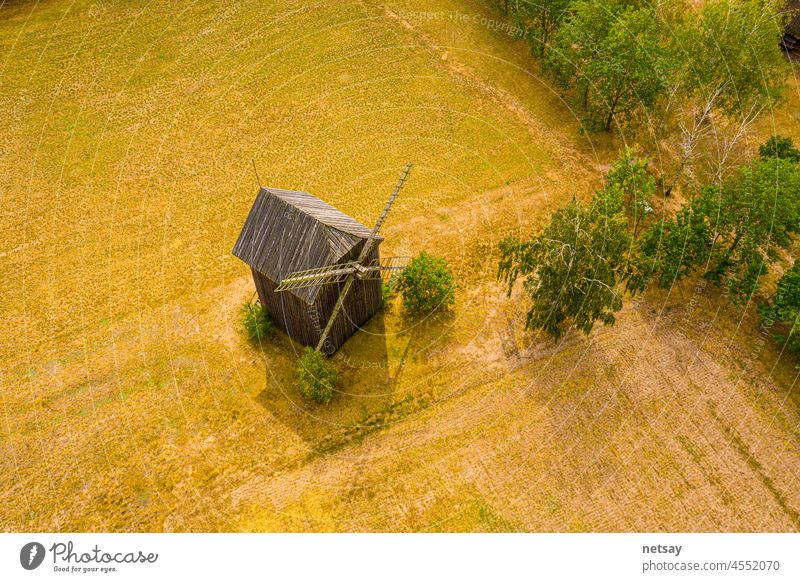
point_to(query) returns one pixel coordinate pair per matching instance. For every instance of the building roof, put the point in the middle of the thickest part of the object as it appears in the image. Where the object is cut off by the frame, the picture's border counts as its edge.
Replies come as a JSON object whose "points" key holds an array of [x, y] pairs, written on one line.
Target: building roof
{"points": [[288, 231]]}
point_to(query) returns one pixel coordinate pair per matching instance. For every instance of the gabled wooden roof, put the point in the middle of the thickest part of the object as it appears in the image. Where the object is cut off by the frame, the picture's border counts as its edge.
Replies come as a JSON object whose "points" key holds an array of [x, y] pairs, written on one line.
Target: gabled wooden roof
{"points": [[288, 231]]}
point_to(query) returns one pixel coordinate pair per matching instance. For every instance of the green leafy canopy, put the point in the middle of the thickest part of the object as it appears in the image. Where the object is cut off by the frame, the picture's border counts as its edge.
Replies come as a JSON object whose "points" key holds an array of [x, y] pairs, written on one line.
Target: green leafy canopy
{"points": [[572, 269], [256, 321], [427, 285], [316, 376], [730, 232], [613, 53], [783, 309]]}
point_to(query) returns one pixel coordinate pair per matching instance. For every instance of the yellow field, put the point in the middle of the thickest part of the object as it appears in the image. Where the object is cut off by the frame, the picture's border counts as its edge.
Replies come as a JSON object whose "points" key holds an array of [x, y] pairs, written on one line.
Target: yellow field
{"points": [[131, 400]]}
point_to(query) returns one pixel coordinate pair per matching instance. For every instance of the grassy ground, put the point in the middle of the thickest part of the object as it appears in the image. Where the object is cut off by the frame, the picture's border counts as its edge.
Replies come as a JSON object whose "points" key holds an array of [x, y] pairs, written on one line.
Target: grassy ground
{"points": [[130, 398]]}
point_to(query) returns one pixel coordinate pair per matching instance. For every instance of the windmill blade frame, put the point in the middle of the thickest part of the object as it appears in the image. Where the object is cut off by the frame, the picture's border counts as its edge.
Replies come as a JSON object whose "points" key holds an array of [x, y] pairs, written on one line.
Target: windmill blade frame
{"points": [[384, 268], [382, 218], [319, 276], [380, 269]]}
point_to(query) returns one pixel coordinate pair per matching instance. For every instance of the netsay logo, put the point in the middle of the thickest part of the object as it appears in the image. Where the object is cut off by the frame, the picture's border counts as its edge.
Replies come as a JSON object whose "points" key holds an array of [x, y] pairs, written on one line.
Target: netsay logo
{"points": [[31, 555]]}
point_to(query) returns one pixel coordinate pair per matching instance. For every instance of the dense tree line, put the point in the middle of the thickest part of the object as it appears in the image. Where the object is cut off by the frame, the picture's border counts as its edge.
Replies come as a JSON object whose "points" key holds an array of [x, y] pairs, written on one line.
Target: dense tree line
{"points": [[590, 255], [627, 60], [705, 70]]}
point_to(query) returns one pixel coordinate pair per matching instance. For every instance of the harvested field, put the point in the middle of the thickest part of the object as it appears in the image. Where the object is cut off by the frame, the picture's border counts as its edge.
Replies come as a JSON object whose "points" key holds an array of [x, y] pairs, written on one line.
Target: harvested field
{"points": [[131, 400]]}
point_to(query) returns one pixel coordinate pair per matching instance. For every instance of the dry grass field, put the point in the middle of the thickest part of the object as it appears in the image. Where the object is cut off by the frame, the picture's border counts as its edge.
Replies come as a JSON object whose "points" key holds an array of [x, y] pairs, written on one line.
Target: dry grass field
{"points": [[130, 399]]}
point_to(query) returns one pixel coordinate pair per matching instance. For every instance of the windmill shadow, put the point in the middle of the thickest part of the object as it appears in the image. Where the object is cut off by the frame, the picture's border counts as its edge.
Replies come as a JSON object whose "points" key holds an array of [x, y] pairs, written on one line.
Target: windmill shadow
{"points": [[363, 362], [426, 337], [372, 367]]}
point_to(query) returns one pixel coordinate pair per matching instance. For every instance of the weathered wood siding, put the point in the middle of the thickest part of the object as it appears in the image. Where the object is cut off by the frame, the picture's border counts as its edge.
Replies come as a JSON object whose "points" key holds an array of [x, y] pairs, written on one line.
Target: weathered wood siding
{"points": [[288, 231], [363, 301], [304, 322], [289, 313]]}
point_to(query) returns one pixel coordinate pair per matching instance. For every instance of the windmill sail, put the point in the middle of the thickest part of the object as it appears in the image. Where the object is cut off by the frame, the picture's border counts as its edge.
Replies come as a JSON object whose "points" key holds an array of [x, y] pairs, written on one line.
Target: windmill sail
{"points": [[384, 268], [380, 269], [314, 277]]}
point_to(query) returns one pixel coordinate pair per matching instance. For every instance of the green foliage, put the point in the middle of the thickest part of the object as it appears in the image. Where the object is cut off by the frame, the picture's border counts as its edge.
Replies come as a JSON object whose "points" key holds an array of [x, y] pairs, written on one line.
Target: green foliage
{"points": [[256, 321], [728, 53], [316, 376], [671, 249], [389, 290], [630, 175], [504, 6], [731, 232], [427, 285], [783, 309], [726, 65], [573, 268], [756, 216], [613, 53], [779, 147], [539, 20], [619, 57]]}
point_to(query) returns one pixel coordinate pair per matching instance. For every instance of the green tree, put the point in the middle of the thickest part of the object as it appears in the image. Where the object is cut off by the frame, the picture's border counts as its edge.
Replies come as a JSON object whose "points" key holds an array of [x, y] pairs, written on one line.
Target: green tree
{"points": [[504, 6], [540, 19], [316, 376], [730, 232], [427, 285], [572, 269], [756, 215], [256, 321], [630, 175], [779, 147], [783, 309], [613, 53], [671, 249], [727, 64], [730, 53]]}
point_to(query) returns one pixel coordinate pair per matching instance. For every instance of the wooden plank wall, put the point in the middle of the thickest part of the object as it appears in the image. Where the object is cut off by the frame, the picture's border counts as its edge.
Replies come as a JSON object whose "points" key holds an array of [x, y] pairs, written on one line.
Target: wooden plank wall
{"points": [[289, 312], [304, 323], [363, 301]]}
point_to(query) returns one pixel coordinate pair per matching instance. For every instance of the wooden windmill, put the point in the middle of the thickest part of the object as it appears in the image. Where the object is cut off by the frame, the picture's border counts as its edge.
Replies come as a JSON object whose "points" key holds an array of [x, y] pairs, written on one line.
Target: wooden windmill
{"points": [[361, 269], [316, 270]]}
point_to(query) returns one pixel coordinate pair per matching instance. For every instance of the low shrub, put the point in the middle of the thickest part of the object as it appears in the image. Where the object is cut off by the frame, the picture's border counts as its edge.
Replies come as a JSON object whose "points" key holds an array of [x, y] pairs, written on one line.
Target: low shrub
{"points": [[256, 321], [316, 376], [427, 285]]}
